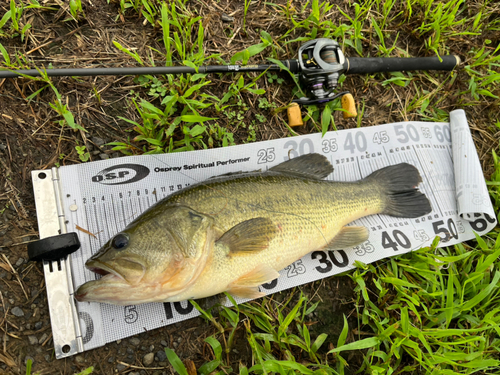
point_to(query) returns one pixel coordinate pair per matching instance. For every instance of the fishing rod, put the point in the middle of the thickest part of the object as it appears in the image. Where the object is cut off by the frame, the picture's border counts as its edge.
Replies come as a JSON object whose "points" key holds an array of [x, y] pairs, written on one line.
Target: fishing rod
{"points": [[319, 65]]}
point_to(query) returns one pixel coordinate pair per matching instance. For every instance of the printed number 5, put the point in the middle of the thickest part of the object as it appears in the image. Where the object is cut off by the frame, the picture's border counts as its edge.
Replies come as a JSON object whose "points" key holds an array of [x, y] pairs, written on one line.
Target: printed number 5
{"points": [[130, 314]]}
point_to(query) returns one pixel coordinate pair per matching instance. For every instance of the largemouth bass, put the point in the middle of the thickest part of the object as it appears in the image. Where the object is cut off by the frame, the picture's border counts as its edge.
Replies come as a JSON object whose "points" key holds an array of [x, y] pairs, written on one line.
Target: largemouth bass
{"points": [[235, 232]]}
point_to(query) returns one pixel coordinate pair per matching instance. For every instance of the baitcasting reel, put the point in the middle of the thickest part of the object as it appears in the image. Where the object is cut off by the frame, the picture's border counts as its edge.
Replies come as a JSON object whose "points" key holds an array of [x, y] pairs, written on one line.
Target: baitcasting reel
{"points": [[321, 62]]}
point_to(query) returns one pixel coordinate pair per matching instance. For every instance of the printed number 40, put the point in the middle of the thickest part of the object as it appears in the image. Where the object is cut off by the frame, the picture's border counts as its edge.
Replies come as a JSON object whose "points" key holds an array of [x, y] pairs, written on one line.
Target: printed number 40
{"points": [[398, 239]]}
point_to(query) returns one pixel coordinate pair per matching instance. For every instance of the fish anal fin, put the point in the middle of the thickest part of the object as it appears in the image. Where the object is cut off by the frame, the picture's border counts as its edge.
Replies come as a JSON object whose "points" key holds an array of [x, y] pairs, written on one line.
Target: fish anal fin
{"points": [[313, 166], [247, 285], [348, 237], [250, 235]]}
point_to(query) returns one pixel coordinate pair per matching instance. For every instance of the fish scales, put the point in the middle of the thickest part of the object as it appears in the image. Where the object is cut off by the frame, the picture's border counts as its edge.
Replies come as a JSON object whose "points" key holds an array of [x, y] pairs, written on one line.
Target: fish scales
{"points": [[308, 214], [296, 205], [235, 232]]}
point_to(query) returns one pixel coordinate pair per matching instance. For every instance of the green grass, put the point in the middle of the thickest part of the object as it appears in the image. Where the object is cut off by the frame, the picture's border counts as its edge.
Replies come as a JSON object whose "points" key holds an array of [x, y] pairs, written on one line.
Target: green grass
{"points": [[433, 311], [187, 96]]}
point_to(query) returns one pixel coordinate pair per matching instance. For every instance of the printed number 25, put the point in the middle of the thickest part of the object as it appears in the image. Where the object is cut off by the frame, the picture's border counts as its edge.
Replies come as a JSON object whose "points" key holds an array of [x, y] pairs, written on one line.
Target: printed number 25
{"points": [[266, 155], [295, 269]]}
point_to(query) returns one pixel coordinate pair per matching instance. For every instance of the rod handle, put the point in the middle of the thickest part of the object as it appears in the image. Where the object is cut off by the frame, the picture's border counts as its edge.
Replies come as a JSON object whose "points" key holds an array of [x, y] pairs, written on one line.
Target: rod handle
{"points": [[368, 65]]}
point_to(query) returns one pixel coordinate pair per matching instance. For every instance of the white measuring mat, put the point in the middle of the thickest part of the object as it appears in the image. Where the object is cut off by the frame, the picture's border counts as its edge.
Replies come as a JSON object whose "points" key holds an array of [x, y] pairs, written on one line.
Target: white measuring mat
{"points": [[103, 197]]}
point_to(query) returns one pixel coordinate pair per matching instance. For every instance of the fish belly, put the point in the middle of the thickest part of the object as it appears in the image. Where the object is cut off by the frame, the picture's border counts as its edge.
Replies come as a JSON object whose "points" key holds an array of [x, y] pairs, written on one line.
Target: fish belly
{"points": [[307, 214]]}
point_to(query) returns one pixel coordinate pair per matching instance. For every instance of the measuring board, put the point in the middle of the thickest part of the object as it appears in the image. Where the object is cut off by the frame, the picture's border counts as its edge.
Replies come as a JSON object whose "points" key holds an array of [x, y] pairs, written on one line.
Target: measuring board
{"points": [[102, 197]]}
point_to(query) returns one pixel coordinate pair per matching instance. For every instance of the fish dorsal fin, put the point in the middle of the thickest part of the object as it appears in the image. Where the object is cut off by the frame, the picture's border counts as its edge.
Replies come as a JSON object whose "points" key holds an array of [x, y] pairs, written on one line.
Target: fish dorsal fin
{"points": [[250, 235], [247, 285], [348, 237], [314, 166]]}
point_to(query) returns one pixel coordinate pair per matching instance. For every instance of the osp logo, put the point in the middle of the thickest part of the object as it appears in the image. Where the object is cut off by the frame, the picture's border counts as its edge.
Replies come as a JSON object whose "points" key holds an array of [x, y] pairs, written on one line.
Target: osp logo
{"points": [[121, 174]]}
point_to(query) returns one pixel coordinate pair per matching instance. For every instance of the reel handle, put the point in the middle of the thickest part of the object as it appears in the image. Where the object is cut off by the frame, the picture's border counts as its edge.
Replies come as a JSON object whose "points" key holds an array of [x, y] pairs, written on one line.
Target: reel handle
{"points": [[368, 65]]}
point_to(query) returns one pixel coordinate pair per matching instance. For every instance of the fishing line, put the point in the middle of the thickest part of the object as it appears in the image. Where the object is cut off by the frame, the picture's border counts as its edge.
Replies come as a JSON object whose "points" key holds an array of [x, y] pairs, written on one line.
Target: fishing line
{"points": [[156, 63], [205, 183]]}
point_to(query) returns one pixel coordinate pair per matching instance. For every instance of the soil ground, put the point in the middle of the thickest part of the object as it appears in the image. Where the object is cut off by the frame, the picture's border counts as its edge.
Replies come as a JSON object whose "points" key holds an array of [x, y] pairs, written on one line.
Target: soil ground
{"points": [[32, 139]]}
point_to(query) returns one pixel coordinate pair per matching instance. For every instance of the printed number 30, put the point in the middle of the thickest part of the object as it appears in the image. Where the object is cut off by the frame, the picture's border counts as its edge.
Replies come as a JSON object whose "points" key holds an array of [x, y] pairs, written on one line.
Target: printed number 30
{"points": [[326, 264]]}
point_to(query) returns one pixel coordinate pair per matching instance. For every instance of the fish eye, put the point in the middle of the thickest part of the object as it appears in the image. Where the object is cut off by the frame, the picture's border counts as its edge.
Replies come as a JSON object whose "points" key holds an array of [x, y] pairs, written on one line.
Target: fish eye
{"points": [[120, 241]]}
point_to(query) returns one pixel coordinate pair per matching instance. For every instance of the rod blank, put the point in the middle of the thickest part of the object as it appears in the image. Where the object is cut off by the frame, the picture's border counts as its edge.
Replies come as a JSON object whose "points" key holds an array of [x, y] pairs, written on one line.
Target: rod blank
{"points": [[82, 72]]}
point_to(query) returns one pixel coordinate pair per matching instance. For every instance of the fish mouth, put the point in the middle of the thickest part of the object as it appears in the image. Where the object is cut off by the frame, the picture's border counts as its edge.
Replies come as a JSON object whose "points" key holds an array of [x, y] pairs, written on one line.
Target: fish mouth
{"points": [[109, 275], [113, 287], [103, 270], [80, 297]]}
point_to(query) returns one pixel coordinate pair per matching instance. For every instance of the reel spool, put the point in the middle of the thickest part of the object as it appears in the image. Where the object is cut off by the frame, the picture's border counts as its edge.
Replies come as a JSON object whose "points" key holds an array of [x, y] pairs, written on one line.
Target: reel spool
{"points": [[321, 62]]}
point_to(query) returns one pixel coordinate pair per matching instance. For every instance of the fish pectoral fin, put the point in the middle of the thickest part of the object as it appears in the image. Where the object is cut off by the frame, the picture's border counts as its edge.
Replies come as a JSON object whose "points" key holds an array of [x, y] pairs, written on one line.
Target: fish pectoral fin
{"points": [[250, 235], [348, 237], [259, 275], [247, 285], [246, 292], [309, 166]]}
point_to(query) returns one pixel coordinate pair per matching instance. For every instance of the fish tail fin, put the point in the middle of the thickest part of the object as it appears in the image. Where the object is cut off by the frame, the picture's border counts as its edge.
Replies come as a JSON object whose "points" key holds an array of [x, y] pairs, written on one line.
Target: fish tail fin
{"points": [[398, 185]]}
